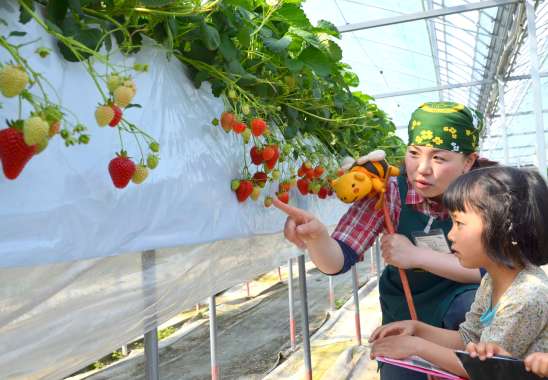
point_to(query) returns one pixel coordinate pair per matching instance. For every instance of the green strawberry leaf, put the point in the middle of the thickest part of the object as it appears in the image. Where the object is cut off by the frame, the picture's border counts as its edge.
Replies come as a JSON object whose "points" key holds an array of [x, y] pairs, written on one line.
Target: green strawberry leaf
{"points": [[327, 27], [317, 61], [278, 45], [56, 11], [210, 36], [293, 15], [25, 16], [91, 38]]}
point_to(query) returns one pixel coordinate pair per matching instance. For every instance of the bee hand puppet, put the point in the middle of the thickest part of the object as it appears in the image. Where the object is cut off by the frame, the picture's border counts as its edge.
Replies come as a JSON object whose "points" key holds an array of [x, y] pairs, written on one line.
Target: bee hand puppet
{"points": [[365, 177]]}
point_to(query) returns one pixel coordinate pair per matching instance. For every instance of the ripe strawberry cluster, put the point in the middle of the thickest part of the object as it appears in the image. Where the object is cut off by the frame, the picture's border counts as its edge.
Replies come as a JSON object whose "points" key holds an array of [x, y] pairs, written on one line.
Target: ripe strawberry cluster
{"points": [[265, 155], [24, 138], [121, 168], [313, 181], [229, 122]]}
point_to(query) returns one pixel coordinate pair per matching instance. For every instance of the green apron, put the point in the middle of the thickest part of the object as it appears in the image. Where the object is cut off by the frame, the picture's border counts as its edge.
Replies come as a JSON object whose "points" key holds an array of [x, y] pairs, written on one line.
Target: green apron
{"points": [[432, 294]]}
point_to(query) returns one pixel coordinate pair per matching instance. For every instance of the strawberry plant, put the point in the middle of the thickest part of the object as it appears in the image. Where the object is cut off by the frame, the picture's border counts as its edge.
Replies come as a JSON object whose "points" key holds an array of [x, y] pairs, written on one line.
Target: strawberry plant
{"points": [[285, 89], [76, 43]]}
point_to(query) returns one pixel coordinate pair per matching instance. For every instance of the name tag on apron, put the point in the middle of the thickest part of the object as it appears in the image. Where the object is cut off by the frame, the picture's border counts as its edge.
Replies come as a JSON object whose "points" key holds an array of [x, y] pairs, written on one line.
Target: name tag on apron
{"points": [[433, 239]]}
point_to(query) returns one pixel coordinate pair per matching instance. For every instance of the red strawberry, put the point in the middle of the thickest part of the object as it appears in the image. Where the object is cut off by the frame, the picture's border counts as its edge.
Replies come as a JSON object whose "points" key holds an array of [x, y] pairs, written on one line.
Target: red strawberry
{"points": [[14, 153], [244, 190], [301, 172], [302, 185], [284, 197], [284, 187], [272, 162], [227, 121], [238, 127], [121, 169], [258, 127], [318, 171], [256, 155], [260, 178], [310, 174], [268, 152], [117, 115], [322, 194]]}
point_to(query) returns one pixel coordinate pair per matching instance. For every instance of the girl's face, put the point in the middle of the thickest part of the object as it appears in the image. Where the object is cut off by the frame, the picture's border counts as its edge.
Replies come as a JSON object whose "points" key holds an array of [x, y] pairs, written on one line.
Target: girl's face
{"points": [[431, 170], [465, 237]]}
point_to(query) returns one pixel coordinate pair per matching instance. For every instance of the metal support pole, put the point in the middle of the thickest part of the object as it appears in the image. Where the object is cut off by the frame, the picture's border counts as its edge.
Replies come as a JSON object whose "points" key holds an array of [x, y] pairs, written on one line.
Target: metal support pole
{"points": [[247, 288], [213, 338], [535, 81], [151, 335], [355, 286], [444, 11], [377, 253], [280, 273], [292, 335], [304, 304], [124, 350], [331, 294], [502, 108]]}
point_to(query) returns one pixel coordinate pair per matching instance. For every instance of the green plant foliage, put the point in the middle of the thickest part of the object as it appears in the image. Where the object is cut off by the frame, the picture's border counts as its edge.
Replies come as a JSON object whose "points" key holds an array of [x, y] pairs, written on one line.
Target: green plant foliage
{"points": [[266, 52]]}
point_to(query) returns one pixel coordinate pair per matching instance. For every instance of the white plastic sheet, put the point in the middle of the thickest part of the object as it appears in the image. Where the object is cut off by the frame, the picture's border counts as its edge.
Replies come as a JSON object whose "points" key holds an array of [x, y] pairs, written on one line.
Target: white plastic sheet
{"points": [[72, 285], [64, 206]]}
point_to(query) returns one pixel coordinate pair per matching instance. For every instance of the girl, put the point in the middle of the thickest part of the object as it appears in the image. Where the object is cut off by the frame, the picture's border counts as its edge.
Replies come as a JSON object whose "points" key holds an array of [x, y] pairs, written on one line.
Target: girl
{"points": [[443, 139], [499, 217]]}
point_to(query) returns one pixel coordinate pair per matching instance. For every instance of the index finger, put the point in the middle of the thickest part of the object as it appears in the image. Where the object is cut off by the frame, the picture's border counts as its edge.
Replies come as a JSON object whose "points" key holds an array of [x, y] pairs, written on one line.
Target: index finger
{"points": [[294, 212]]}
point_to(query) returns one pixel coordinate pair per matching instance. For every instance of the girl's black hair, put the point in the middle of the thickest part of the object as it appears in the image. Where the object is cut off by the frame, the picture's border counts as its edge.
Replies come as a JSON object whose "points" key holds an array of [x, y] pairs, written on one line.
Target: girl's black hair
{"points": [[513, 204]]}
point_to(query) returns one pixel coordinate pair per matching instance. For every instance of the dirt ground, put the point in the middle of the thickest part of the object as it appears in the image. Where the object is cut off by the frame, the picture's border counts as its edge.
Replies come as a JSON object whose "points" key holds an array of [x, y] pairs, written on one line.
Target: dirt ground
{"points": [[253, 334]]}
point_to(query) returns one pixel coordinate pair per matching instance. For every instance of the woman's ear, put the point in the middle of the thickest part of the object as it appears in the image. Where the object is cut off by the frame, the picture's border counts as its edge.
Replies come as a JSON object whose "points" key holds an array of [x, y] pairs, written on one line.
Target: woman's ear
{"points": [[469, 161]]}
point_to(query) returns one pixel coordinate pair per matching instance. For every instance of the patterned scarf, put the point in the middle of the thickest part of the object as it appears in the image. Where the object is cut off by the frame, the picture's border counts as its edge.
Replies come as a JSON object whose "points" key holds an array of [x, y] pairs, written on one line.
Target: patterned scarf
{"points": [[446, 125]]}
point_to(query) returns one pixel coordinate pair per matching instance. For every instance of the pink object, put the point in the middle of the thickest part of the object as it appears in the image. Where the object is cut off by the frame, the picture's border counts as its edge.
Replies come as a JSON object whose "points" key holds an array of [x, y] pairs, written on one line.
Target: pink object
{"points": [[417, 364]]}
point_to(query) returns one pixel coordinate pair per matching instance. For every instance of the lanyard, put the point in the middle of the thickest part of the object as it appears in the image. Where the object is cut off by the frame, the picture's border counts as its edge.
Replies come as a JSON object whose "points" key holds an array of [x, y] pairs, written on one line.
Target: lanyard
{"points": [[430, 219]]}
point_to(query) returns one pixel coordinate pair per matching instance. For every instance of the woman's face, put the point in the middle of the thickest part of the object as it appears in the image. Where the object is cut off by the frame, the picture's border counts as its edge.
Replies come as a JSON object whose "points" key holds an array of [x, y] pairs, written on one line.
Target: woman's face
{"points": [[431, 170], [465, 237]]}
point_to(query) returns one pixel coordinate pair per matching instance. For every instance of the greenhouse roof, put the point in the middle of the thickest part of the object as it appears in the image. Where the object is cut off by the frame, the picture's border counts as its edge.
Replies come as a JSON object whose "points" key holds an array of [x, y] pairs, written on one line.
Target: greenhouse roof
{"points": [[407, 52]]}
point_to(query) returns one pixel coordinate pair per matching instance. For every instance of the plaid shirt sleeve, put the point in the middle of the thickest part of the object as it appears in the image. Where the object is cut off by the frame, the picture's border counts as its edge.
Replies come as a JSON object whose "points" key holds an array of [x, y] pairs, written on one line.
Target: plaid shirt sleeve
{"points": [[362, 223]]}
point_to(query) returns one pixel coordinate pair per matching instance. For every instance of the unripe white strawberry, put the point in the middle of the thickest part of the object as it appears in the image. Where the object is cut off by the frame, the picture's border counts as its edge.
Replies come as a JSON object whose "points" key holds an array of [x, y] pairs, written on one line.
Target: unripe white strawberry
{"points": [[35, 131], [131, 84], [256, 193], [13, 80], [113, 82], [123, 96], [141, 173], [103, 115]]}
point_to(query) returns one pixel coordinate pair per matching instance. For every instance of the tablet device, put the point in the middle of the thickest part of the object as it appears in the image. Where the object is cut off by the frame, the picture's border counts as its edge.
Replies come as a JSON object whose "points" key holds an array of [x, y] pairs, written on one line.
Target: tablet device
{"points": [[497, 367], [417, 364]]}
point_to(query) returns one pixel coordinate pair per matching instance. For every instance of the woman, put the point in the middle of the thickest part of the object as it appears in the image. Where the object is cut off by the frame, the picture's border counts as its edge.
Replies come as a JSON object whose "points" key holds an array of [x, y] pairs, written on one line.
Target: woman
{"points": [[443, 139]]}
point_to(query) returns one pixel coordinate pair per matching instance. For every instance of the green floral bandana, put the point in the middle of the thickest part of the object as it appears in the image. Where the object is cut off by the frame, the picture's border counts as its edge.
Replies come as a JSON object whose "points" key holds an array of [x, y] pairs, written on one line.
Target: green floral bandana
{"points": [[446, 125]]}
